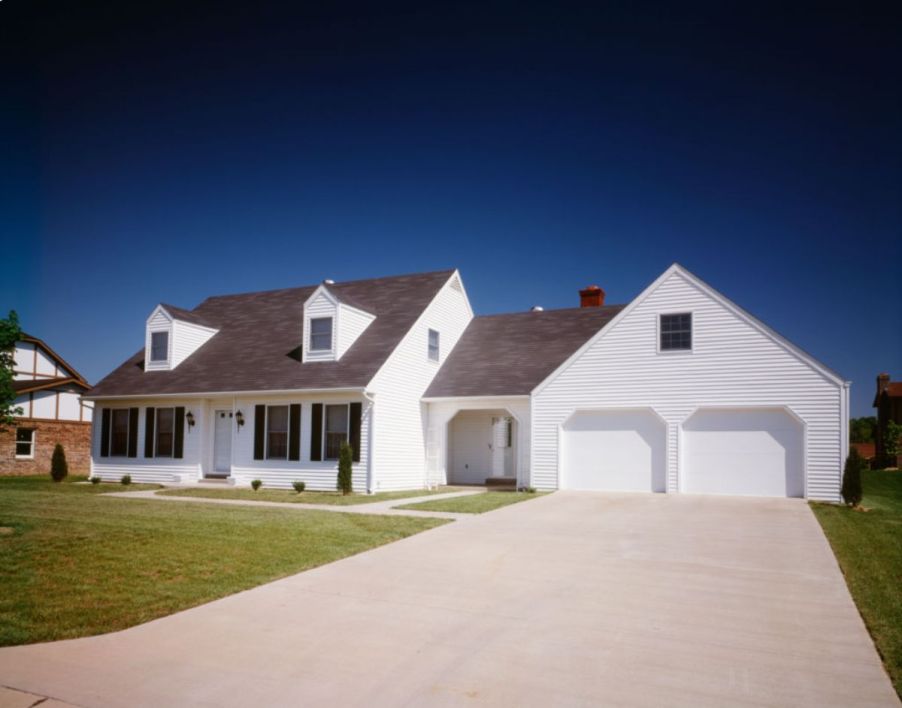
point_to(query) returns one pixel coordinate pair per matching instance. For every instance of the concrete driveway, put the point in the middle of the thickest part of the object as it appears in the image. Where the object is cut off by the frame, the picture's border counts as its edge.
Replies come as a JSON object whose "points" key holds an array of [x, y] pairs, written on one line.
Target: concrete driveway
{"points": [[570, 599]]}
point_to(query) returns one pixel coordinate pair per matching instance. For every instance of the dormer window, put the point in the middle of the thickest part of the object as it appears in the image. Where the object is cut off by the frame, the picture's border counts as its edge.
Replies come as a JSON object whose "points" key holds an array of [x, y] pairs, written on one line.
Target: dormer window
{"points": [[159, 346], [321, 334]]}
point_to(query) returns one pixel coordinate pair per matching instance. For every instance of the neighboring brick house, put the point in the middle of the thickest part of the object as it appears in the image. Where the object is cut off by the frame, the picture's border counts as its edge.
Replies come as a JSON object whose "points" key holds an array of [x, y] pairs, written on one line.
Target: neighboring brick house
{"points": [[49, 393], [888, 402]]}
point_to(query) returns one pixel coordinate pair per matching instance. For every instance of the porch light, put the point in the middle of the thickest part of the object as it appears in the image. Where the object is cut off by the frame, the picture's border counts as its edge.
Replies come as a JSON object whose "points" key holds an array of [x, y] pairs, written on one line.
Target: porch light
{"points": [[189, 416], [239, 418]]}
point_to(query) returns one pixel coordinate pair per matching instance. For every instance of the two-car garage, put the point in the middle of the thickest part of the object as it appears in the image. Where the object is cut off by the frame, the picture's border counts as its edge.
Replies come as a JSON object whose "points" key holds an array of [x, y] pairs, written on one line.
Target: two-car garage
{"points": [[723, 450]]}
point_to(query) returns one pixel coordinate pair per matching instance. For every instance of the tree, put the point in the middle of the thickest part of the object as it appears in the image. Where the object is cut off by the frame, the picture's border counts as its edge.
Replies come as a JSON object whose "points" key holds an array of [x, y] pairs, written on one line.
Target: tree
{"points": [[10, 333], [59, 468], [851, 478], [345, 467], [861, 430]]}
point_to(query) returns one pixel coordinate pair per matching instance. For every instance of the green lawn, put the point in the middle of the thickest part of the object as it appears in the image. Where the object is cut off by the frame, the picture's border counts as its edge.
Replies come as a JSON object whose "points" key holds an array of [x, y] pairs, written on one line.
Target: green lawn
{"points": [[868, 546], [292, 497], [474, 503], [74, 563]]}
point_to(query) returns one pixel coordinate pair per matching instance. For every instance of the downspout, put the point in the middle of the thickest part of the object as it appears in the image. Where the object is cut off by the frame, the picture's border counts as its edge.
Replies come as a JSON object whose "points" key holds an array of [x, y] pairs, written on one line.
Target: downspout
{"points": [[370, 482], [844, 430]]}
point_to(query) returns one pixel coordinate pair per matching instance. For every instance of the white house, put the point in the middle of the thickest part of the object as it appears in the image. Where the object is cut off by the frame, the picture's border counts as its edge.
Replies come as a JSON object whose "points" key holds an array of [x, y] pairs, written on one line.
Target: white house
{"points": [[678, 391]]}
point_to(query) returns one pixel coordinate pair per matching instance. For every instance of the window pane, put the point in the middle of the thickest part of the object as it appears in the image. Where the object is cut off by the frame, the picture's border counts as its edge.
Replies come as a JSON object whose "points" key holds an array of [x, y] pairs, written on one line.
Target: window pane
{"points": [[336, 430], [676, 331], [24, 442], [277, 432], [119, 433], [23, 449], [165, 419], [433, 345], [321, 334], [159, 346], [24, 434]]}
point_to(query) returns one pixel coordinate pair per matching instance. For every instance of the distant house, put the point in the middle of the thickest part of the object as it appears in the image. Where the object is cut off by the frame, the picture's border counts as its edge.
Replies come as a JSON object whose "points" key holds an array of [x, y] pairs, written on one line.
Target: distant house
{"points": [[888, 402], [48, 390], [679, 390]]}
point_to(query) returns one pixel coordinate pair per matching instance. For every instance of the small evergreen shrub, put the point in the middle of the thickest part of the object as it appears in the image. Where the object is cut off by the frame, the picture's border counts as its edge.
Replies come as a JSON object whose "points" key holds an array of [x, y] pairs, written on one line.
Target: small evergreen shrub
{"points": [[59, 468], [95, 480], [530, 490], [851, 479], [126, 479], [299, 486], [345, 467], [256, 484]]}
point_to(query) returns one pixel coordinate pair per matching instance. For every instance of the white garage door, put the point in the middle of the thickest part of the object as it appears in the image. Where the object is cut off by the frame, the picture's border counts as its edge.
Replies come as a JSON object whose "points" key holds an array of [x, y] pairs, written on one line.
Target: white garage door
{"points": [[748, 452], [614, 451]]}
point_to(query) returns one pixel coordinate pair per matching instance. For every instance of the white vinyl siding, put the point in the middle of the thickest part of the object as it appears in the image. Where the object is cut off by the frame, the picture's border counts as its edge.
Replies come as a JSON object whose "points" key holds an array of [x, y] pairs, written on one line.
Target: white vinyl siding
{"points": [[351, 324], [732, 364], [400, 455]]}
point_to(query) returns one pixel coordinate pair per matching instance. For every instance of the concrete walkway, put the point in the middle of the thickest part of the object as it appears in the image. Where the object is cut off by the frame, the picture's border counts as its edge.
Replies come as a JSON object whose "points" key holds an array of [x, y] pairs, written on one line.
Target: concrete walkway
{"points": [[380, 507], [571, 599]]}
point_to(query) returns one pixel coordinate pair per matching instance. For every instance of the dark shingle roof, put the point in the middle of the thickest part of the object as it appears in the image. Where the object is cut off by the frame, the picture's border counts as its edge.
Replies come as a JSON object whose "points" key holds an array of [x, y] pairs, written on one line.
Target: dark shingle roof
{"points": [[509, 355], [188, 316], [258, 344]]}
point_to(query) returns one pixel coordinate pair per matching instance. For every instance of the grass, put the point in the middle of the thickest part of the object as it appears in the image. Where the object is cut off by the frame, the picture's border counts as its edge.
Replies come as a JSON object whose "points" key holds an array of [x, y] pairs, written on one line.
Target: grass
{"points": [[473, 503], [74, 563], [868, 546], [292, 497]]}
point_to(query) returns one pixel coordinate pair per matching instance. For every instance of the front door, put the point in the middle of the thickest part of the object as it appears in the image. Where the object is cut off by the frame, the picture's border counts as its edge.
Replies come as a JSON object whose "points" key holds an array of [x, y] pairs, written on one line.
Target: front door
{"points": [[222, 443]]}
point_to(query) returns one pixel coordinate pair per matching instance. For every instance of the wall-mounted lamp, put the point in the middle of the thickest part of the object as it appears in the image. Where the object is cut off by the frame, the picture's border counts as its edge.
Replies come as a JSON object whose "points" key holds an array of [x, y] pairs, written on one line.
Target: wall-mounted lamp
{"points": [[189, 416], [239, 418]]}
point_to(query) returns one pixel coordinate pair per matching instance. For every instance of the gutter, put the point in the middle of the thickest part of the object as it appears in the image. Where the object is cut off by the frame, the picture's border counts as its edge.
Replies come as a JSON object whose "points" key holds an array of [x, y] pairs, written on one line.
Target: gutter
{"points": [[218, 394]]}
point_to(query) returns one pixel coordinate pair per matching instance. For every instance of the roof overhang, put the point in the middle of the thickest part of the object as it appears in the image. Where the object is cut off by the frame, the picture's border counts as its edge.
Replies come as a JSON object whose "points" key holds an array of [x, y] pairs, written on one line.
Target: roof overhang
{"points": [[493, 397]]}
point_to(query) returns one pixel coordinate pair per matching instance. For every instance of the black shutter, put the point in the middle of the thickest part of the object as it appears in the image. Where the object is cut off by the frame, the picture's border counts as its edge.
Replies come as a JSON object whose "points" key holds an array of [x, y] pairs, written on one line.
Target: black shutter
{"points": [[294, 431], [178, 443], [259, 432], [354, 434], [105, 432], [148, 432], [133, 432], [316, 433]]}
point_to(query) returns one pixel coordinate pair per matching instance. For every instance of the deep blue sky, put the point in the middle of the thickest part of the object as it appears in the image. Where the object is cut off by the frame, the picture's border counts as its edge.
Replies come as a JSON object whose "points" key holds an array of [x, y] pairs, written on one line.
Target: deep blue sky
{"points": [[166, 151]]}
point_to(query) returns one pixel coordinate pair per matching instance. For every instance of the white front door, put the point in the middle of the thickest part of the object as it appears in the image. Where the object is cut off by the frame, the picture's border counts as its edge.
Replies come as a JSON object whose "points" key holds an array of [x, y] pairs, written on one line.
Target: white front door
{"points": [[222, 442]]}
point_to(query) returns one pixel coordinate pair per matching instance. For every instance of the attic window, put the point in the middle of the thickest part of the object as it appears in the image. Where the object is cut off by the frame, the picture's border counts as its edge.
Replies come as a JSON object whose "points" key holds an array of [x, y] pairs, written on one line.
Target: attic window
{"points": [[159, 346], [321, 334], [676, 332], [433, 349]]}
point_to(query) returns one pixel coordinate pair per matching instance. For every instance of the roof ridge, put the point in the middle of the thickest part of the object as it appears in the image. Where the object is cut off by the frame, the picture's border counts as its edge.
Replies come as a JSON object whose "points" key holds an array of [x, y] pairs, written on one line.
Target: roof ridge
{"points": [[313, 286], [602, 308]]}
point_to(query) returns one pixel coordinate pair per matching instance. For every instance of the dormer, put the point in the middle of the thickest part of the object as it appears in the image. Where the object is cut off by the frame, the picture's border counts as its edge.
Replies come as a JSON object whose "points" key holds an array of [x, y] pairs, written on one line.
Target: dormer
{"points": [[172, 335], [332, 323]]}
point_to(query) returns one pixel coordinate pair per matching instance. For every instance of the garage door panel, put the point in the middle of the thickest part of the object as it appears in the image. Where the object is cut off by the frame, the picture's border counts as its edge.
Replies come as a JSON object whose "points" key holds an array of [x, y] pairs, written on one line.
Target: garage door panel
{"points": [[614, 451], [754, 453]]}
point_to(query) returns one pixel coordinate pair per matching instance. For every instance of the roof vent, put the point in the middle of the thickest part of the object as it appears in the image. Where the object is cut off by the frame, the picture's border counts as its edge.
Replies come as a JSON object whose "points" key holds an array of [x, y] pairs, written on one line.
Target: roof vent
{"points": [[329, 281], [537, 308]]}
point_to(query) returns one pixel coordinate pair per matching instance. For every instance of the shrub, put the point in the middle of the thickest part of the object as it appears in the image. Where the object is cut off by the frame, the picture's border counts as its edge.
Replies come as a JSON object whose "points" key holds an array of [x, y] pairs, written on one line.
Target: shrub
{"points": [[851, 478], [59, 468], [299, 486], [126, 479], [892, 441], [530, 490], [345, 467], [256, 484], [95, 480]]}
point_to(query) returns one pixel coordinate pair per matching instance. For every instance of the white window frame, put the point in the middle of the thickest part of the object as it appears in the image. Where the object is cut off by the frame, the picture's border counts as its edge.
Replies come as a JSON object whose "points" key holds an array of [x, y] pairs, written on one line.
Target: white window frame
{"points": [[331, 347], [326, 406], [659, 331], [438, 344], [127, 432], [32, 443], [168, 334], [287, 408], [156, 432]]}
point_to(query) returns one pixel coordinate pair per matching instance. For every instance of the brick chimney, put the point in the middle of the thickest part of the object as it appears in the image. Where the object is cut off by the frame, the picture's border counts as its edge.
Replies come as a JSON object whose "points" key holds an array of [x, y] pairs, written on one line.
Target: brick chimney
{"points": [[882, 383], [592, 296]]}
